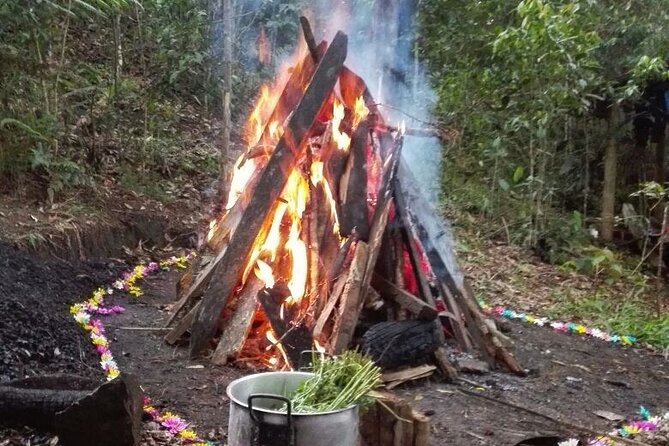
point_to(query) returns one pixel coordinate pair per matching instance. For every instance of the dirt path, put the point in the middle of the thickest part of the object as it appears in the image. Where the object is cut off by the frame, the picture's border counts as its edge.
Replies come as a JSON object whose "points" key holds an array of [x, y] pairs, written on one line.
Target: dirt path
{"points": [[570, 377]]}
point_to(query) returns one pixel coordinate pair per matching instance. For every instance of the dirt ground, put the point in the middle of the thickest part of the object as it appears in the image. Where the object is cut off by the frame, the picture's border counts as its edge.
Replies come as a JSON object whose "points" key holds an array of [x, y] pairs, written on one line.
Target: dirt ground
{"points": [[569, 378]]}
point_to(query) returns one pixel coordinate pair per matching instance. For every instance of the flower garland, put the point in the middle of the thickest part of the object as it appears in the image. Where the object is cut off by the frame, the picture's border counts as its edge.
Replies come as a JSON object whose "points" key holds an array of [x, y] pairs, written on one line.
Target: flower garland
{"points": [[646, 423], [83, 314], [561, 327]]}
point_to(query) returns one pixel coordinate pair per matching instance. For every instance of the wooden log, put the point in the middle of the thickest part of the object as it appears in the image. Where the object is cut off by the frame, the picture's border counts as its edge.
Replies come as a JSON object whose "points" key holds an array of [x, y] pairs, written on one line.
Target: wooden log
{"points": [[75, 408], [333, 299], [404, 426], [354, 214], [286, 322], [392, 423], [421, 428], [409, 237], [444, 364], [182, 326], [380, 219], [270, 184], [403, 298], [35, 406], [434, 237], [394, 379], [351, 301], [112, 415], [237, 327], [197, 287]]}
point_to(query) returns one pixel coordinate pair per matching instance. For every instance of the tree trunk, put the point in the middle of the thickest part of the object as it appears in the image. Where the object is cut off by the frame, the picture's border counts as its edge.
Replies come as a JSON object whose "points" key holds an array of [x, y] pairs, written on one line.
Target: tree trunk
{"points": [[610, 165], [659, 156], [227, 91]]}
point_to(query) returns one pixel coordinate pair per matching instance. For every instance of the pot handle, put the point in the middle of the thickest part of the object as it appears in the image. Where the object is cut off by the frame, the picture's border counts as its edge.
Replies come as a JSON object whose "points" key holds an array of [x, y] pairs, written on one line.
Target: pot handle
{"points": [[269, 396], [301, 366]]}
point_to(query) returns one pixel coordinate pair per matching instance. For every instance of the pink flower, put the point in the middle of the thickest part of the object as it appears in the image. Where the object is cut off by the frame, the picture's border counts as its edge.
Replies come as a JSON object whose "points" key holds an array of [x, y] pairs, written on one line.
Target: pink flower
{"points": [[174, 424]]}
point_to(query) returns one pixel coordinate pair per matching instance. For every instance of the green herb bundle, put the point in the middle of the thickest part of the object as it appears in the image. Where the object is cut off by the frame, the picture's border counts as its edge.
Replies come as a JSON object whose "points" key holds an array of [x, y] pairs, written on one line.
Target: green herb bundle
{"points": [[337, 383]]}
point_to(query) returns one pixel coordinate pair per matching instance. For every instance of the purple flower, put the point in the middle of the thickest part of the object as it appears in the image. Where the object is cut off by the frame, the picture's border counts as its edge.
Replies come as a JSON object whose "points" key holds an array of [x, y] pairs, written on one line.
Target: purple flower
{"points": [[174, 424]]}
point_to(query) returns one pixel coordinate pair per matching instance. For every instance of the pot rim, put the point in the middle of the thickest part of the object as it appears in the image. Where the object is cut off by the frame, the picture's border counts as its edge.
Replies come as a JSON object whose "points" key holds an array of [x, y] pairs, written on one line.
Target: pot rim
{"points": [[245, 405]]}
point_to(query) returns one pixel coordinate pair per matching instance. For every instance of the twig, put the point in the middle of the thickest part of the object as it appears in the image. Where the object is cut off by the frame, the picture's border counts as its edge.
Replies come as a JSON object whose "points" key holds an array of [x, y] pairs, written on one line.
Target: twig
{"points": [[568, 424]]}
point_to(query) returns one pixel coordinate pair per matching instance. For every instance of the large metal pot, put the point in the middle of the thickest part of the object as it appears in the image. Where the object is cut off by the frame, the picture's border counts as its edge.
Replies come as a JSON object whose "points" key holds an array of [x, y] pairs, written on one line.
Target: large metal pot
{"points": [[255, 420]]}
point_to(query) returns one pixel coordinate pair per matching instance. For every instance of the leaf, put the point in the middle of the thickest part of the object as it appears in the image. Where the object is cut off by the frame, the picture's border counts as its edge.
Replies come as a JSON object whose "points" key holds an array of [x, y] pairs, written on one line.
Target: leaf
{"points": [[518, 174], [504, 184]]}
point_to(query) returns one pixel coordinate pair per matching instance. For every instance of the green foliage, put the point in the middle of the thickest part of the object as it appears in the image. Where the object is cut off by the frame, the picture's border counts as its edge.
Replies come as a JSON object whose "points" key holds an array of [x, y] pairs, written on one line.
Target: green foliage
{"points": [[633, 316], [596, 261], [521, 79]]}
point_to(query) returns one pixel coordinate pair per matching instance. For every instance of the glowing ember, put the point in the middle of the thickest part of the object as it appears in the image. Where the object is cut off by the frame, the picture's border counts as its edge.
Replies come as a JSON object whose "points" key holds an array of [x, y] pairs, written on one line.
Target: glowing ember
{"points": [[342, 140]]}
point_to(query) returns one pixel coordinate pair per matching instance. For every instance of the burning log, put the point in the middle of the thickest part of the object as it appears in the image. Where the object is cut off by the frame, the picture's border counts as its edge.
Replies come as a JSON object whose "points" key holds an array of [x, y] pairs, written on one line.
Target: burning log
{"points": [[237, 327], [351, 300], [229, 270], [286, 322], [353, 188]]}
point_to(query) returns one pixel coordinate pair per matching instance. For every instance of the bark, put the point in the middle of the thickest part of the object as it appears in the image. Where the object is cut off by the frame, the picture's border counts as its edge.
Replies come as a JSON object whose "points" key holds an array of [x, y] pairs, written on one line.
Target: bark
{"points": [[610, 168], [226, 93]]}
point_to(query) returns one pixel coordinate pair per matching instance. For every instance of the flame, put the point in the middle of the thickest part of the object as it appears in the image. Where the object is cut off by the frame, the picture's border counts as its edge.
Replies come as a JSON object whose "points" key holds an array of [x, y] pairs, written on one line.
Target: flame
{"points": [[264, 272], [298, 274], [342, 140], [274, 235], [318, 177], [275, 131], [360, 111], [242, 174], [275, 343], [255, 124]]}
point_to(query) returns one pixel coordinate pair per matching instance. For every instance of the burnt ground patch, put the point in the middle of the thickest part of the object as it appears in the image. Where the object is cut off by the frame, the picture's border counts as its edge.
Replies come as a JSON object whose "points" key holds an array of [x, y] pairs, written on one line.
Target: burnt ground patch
{"points": [[37, 333]]}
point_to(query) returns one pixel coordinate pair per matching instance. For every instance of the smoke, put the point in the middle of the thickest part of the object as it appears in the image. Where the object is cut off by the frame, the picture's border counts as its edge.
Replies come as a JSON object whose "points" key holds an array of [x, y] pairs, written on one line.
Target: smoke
{"points": [[382, 49]]}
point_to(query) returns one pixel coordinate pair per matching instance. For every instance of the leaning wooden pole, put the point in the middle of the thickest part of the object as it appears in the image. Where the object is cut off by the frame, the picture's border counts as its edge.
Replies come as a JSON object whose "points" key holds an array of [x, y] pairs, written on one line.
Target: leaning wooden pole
{"points": [[270, 184]]}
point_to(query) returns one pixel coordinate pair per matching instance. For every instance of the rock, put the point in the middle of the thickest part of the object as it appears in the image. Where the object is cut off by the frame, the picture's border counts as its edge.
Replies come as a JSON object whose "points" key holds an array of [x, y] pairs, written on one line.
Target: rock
{"points": [[473, 366]]}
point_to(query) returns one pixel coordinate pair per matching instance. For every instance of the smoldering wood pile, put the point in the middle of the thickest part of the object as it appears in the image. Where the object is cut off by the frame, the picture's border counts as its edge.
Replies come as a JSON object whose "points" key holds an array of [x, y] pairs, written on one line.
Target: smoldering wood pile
{"points": [[375, 250]]}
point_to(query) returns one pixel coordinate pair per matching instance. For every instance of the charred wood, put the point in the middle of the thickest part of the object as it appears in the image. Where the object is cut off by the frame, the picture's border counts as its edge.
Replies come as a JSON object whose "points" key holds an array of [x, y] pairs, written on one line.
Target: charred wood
{"points": [[270, 184], [286, 323], [354, 214], [404, 299]]}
